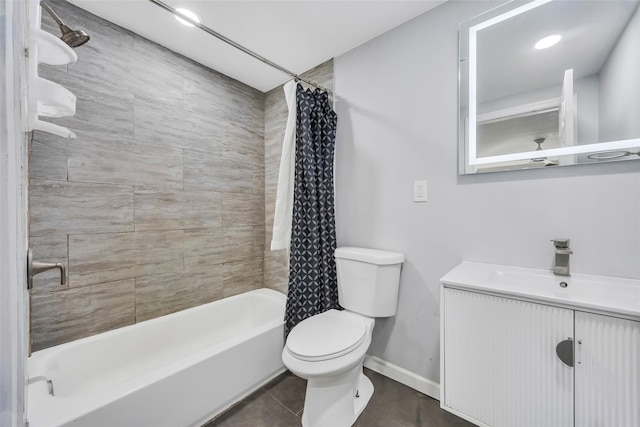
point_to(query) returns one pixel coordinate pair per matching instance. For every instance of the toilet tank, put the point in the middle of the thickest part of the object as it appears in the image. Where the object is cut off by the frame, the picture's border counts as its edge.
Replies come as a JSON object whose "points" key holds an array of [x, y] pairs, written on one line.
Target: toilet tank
{"points": [[368, 280]]}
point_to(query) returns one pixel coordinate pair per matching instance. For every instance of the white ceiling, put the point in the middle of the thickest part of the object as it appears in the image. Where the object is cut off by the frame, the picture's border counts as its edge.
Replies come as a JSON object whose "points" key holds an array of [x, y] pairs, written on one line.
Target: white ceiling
{"points": [[297, 35]]}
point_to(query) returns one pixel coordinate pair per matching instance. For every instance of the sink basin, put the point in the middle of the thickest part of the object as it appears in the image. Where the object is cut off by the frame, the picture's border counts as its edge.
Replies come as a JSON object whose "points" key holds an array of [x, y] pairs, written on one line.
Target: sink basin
{"points": [[594, 293]]}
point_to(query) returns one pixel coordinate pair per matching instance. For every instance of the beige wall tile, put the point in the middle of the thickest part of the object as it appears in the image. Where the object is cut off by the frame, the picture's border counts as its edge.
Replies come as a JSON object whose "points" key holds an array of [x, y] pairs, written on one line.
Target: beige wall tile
{"points": [[93, 157], [242, 276], [239, 243], [276, 269], [166, 210], [239, 209], [92, 101], [168, 293], [204, 248], [282, 288], [243, 146], [204, 171], [273, 143], [48, 157], [203, 131], [159, 123], [273, 153], [258, 114], [73, 207], [107, 41], [240, 103], [258, 239], [99, 258], [259, 180], [59, 317], [204, 91], [156, 72], [269, 209]]}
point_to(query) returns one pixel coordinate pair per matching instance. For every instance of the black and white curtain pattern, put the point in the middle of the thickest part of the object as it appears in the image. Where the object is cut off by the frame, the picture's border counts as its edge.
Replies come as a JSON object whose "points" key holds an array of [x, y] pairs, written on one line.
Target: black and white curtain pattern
{"points": [[313, 286]]}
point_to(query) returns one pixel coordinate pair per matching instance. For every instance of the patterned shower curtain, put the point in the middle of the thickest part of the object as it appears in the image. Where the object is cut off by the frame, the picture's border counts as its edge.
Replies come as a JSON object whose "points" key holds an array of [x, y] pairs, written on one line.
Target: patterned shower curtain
{"points": [[313, 286]]}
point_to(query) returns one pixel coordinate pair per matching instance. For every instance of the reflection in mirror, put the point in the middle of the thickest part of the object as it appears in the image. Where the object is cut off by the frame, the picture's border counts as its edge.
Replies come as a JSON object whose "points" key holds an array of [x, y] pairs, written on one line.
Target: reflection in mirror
{"points": [[523, 105]]}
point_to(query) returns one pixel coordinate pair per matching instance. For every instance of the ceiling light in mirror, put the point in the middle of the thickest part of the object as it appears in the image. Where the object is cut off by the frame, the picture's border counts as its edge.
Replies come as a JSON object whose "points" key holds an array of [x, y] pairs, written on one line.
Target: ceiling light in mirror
{"points": [[548, 41], [581, 98], [188, 14]]}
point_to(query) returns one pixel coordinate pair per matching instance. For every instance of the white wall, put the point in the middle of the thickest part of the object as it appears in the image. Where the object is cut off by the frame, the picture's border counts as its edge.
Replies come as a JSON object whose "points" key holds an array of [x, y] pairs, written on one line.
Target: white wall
{"points": [[397, 109], [620, 86]]}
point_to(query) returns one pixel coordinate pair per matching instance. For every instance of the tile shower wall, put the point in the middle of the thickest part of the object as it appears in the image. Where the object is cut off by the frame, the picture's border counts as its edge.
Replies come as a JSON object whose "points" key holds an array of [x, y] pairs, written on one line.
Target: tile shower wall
{"points": [[276, 263], [158, 204]]}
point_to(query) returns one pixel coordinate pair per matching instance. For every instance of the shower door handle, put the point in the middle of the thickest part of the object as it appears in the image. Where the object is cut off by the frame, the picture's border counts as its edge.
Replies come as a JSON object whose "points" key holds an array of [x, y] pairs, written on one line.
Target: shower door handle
{"points": [[36, 267]]}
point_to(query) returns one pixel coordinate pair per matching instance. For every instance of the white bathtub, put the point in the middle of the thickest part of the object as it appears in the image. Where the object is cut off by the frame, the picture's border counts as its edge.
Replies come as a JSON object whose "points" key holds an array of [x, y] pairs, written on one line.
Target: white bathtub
{"points": [[176, 370]]}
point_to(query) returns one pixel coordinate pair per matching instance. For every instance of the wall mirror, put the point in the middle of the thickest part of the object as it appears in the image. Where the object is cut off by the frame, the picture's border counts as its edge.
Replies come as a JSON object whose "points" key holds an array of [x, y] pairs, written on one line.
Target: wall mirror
{"points": [[547, 83]]}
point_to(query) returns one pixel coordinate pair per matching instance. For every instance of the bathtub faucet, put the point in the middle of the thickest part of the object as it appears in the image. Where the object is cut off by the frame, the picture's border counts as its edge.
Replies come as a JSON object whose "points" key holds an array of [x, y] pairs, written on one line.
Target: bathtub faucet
{"points": [[561, 267], [42, 378], [37, 267]]}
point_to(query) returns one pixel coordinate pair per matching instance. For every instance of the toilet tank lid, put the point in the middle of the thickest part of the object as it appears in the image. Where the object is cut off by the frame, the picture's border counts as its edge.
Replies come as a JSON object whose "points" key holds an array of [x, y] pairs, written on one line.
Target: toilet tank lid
{"points": [[372, 256]]}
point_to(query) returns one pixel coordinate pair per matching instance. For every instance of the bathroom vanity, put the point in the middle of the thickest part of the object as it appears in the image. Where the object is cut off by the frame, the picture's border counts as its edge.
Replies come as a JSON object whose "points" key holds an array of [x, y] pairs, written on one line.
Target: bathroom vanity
{"points": [[524, 347]]}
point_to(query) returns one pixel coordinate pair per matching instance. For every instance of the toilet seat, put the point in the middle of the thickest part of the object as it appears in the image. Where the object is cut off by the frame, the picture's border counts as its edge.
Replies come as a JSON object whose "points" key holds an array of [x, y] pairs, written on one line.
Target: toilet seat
{"points": [[326, 336]]}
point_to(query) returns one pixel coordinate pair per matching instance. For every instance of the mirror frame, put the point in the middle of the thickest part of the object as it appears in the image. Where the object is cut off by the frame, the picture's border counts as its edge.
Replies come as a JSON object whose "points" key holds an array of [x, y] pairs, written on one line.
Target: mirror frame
{"points": [[467, 140]]}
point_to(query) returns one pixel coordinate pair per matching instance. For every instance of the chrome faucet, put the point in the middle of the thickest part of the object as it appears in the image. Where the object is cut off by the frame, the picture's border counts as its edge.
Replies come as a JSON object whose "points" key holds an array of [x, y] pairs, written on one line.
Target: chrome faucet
{"points": [[45, 379], [36, 267], [561, 266]]}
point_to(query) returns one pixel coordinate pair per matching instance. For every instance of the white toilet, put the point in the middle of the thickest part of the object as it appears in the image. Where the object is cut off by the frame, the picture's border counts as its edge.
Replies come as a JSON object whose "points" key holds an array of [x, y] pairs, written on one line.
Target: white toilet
{"points": [[328, 349]]}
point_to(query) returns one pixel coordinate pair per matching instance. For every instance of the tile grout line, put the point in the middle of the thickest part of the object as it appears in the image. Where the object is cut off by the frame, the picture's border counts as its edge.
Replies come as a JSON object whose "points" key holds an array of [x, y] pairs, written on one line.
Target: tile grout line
{"points": [[288, 409]]}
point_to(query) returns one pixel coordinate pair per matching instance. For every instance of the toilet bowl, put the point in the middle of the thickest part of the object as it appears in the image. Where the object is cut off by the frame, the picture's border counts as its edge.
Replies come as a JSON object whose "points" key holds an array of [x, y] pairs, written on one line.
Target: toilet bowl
{"points": [[328, 349]]}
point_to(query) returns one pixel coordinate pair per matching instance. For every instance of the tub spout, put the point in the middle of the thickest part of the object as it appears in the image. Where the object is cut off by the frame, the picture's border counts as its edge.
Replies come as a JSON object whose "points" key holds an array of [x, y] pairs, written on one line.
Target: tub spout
{"points": [[42, 378]]}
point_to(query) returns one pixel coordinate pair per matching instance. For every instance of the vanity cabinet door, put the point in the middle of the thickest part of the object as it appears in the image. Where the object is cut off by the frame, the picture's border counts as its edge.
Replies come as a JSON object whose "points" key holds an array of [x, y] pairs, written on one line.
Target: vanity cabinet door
{"points": [[607, 371], [500, 364]]}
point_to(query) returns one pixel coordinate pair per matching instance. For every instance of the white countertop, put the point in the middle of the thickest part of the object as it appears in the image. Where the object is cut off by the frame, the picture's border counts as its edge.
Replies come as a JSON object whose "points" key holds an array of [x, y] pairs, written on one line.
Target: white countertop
{"points": [[612, 295]]}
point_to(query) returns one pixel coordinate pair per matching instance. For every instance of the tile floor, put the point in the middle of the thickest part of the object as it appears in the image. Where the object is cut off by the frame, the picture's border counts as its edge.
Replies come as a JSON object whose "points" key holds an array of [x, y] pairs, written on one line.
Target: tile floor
{"points": [[279, 404]]}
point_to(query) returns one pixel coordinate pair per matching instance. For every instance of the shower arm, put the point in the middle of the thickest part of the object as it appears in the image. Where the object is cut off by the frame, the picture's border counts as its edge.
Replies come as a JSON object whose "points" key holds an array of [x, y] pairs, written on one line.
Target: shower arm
{"points": [[52, 13], [73, 38]]}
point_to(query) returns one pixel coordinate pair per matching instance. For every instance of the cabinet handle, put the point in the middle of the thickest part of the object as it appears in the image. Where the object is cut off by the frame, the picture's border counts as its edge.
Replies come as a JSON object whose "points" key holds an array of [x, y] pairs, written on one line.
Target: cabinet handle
{"points": [[564, 350], [579, 352]]}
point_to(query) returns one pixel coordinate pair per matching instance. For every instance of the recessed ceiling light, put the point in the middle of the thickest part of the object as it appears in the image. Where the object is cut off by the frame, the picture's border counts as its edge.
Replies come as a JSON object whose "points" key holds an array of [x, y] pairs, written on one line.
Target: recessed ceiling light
{"points": [[188, 14], [548, 41]]}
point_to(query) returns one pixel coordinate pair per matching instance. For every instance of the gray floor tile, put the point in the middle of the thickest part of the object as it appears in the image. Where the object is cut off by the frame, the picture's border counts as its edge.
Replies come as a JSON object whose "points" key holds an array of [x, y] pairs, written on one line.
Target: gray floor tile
{"points": [[258, 410], [289, 390], [430, 414], [392, 405]]}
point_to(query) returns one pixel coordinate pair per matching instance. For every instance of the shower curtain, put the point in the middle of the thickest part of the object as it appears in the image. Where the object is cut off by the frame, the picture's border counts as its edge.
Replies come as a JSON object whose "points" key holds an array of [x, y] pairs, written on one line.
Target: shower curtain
{"points": [[313, 286]]}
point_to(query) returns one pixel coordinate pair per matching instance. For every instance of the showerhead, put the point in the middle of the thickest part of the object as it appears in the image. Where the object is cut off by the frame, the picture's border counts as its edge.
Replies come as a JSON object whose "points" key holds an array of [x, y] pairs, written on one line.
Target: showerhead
{"points": [[73, 38]]}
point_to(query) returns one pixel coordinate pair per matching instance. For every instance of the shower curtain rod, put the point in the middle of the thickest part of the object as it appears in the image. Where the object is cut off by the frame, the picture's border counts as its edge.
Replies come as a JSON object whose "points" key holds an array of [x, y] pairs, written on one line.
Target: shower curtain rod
{"points": [[236, 45]]}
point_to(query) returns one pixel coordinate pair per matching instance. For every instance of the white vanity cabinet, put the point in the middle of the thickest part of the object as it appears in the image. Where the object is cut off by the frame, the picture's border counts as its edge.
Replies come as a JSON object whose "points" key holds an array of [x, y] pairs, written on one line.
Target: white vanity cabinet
{"points": [[499, 360], [500, 364], [607, 371]]}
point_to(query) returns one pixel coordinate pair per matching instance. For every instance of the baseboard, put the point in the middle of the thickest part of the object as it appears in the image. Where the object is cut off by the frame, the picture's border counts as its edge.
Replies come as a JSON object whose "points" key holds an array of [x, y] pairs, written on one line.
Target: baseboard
{"points": [[408, 378]]}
